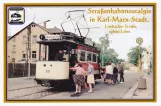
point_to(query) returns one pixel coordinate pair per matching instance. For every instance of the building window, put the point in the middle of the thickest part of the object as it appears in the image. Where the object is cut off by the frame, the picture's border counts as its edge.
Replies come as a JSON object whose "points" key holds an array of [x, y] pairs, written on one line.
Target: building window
{"points": [[34, 39], [13, 59], [14, 49], [33, 54], [94, 58], [88, 56], [23, 55], [14, 39], [82, 56], [33, 25]]}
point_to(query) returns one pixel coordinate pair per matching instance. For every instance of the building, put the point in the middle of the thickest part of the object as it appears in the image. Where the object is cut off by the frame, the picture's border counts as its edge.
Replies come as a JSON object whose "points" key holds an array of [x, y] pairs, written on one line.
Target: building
{"points": [[8, 37], [16, 44], [147, 57]]}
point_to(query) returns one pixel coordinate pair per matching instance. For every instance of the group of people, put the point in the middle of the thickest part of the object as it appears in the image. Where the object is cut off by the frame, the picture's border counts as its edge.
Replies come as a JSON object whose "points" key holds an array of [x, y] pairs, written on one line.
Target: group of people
{"points": [[79, 77], [112, 71], [80, 74]]}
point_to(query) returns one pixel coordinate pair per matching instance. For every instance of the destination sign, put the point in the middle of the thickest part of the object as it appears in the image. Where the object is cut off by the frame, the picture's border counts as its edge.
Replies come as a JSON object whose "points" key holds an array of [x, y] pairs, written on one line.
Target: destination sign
{"points": [[55, 37]]}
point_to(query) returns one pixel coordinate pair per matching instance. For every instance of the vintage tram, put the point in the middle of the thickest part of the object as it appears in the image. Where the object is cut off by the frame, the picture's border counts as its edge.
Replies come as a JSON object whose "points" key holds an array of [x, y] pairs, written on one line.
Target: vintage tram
{"points": [[53, 73]]}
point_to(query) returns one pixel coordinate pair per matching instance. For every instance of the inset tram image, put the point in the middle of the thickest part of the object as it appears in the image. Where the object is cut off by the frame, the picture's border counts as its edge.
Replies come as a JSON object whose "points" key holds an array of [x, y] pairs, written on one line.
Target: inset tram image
{"points": [[16, 15]]}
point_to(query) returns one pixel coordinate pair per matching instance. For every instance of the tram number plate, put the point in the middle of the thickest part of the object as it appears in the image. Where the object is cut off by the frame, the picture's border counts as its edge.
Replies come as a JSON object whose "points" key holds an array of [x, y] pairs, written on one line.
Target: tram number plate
{"points": [[47, 71]]}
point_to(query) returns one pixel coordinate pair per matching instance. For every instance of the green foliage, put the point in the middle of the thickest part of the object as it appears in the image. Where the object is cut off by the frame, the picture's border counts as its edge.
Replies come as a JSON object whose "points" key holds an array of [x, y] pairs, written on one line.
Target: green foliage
{"points": [[126, 67], [133, 55], [108, 54]]}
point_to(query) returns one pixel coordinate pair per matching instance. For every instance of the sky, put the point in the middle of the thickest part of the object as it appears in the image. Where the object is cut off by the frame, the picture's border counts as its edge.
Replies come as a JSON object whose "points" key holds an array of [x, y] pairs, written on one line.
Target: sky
{"points": [[121, 43]]}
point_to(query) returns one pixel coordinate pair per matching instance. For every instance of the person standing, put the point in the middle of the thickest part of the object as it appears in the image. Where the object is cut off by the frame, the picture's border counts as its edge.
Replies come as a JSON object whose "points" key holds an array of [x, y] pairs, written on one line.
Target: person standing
{"points": [[78, 77], [121, 72], [76, 63], [90, 77], [115, 74], [109, 73], [59, 56], [112, 64]]}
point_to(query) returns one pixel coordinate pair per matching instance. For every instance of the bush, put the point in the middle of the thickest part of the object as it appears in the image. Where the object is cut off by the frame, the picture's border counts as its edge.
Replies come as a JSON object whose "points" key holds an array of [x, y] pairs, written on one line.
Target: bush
{"points": [[126, 67]]}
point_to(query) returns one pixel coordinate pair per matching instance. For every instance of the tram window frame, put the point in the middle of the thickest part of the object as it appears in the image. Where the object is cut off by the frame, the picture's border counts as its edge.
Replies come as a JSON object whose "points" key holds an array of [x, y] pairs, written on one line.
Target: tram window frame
{"points": [[81, 55], [96, 57], [87, 56]]}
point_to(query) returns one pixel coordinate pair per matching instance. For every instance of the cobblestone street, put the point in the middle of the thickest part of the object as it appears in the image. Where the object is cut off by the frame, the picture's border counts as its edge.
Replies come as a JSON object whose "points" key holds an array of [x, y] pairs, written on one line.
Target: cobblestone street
{"points": [[101, 90]]}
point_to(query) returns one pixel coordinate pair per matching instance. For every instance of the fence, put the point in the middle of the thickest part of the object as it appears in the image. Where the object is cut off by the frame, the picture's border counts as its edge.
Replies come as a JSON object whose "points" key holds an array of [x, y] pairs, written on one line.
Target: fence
{"points": [[20, 70]]}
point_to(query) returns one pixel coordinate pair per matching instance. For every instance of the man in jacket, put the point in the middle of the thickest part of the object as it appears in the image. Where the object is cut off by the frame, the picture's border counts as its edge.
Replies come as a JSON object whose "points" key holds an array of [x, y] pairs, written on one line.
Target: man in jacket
{"points": [[59, 56], [121, 72]]}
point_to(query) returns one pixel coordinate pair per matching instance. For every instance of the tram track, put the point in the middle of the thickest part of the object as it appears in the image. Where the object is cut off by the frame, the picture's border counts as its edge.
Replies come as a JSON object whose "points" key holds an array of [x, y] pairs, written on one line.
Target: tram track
{"points": [[31, 93], [36, 95], [23, 88], [16, 93]]}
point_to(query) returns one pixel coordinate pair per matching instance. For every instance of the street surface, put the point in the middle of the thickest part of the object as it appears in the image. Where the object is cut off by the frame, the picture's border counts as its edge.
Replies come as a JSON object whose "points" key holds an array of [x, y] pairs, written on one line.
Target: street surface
{"points": [[20, 81], [145, 93], [101, 90]]}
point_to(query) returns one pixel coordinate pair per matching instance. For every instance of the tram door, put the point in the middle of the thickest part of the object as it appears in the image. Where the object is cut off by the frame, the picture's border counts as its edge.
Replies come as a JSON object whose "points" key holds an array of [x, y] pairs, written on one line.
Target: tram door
{"points": [[53, 49], [52, 53]]}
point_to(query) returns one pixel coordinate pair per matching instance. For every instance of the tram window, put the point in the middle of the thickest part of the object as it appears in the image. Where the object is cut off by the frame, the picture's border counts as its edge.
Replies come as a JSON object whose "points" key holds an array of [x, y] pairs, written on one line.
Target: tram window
{"points": [[88, 56], [94, 57], [82, 56], [73, 52]]}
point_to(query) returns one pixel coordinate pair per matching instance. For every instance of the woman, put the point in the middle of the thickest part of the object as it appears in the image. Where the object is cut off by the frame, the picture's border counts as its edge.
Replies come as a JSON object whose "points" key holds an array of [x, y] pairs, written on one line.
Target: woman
{"points": [[109, 73], [90, 77], [115, 74], [78, 77]]}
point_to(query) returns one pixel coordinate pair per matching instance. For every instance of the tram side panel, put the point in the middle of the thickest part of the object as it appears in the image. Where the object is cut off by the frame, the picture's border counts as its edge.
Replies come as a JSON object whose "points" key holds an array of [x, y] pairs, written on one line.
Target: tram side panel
{"points": [[52, 70], [97, 73]]}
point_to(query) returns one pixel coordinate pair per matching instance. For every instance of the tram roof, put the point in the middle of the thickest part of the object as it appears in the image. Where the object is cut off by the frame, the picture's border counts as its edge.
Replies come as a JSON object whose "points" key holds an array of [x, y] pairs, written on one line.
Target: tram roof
{"points": [[46, 42], [54, 41]]}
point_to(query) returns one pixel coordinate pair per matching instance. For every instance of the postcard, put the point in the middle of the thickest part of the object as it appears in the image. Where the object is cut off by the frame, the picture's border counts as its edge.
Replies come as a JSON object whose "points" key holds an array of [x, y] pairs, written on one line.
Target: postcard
{"points": [[80, 52]]}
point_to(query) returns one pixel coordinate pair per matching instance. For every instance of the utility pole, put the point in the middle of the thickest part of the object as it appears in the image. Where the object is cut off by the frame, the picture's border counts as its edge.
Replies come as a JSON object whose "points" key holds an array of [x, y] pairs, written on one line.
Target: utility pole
{"points": [[28, 48], [139, 41], [102, 57], [139, 60]]}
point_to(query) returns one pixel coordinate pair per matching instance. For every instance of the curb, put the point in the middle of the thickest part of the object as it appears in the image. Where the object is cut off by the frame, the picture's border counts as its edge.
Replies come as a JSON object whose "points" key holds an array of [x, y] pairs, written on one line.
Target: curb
{"points": [[130, 93]]}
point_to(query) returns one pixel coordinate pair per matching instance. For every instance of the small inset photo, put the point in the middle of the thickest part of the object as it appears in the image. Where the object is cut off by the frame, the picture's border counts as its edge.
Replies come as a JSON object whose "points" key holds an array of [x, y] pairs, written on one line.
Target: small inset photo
{"points": [[16, 15]]}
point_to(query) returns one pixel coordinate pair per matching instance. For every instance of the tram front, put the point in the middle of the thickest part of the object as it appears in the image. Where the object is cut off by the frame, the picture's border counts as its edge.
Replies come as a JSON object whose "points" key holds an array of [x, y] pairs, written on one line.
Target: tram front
{"points": [[55, 54]]}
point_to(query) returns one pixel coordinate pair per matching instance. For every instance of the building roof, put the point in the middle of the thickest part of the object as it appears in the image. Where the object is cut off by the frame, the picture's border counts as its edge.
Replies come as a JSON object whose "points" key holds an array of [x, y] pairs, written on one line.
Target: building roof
{"points": [[8, 37], [49, 30], [54, 30]]}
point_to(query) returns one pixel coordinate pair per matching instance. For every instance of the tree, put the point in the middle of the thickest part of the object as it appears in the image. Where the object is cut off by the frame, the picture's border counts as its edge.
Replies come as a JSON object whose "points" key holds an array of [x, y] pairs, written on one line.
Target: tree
{"points": [[111, 55], [107, 54], [133, 55]]}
